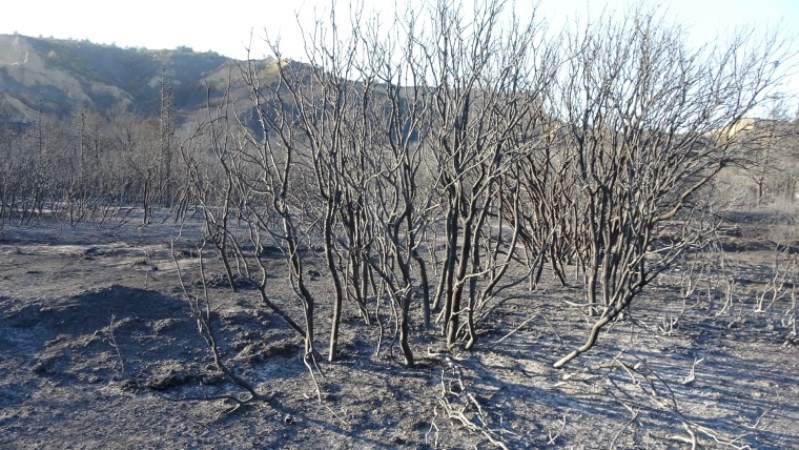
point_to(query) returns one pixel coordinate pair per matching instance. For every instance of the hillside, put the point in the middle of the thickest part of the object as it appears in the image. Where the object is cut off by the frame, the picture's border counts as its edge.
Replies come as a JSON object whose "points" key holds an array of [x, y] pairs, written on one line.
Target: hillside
{"points": [[60, 76]]}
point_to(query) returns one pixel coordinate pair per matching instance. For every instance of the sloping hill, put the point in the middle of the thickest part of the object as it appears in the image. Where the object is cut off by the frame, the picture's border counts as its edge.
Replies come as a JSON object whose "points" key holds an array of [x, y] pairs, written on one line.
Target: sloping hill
{"points": [[61, 76]]}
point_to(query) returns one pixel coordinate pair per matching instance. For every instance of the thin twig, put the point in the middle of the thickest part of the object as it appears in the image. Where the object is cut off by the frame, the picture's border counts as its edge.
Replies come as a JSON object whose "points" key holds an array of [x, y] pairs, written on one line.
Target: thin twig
{"points": [[113, 342]]}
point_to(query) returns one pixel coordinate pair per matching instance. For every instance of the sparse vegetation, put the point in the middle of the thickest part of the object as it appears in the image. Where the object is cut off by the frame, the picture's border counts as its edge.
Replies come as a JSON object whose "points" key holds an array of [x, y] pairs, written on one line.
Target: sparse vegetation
{"points": [[502, 234]]}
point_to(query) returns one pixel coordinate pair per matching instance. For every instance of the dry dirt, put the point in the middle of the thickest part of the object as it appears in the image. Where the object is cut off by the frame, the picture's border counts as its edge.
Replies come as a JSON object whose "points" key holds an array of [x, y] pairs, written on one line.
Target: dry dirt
{"points": [[98, 349]]}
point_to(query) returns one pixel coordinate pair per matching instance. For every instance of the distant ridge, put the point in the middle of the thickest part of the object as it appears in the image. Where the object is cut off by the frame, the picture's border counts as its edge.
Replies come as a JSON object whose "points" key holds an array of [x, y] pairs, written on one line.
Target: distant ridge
{"points": [[60, 77]]}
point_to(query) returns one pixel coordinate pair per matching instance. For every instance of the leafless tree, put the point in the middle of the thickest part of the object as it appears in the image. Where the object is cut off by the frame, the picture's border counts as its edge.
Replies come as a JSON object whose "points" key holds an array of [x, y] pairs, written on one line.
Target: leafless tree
{"points": [[166, 124], [646, 117], [488, 82], [580, 151], [768, 153]]}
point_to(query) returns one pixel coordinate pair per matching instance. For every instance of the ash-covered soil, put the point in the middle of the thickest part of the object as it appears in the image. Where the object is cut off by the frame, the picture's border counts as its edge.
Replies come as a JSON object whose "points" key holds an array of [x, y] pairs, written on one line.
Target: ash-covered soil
{"points": [[99, 350]]}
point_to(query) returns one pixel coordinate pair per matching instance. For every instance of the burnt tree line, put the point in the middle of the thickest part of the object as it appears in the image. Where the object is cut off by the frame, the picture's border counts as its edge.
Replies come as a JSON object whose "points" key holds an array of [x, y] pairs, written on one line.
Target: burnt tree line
{"points": [[88, 166], [422, 160]]}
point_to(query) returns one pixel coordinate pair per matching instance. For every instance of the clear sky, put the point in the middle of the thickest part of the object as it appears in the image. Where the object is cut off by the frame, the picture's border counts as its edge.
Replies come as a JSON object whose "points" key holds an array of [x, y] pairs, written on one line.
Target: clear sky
{"points": [[225, 26]]}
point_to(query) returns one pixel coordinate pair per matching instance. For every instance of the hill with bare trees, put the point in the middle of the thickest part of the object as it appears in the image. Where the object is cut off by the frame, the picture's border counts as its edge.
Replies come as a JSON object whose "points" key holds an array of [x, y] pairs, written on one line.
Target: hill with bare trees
{"points": [[456, 231]]}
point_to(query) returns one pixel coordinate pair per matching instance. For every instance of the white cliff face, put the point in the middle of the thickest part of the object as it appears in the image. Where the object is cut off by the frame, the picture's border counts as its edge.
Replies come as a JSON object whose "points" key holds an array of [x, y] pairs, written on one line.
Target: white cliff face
{"points": [[17, 54]]}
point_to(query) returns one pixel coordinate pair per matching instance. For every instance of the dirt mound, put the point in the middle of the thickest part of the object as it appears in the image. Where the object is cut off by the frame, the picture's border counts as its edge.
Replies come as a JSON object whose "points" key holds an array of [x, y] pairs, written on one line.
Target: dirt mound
{"points": [[93, 310], [138, 337], [117, 333]]}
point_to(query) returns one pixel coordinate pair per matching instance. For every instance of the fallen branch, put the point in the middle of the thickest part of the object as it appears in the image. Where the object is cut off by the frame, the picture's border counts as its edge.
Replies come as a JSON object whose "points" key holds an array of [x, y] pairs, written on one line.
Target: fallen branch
{"points": [[466, 412]]}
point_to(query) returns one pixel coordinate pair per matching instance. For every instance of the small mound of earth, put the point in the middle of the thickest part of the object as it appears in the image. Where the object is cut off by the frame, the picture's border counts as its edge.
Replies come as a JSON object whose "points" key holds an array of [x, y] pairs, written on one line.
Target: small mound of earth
{"points": [[94, 310], [140, 338], [110, 334]]}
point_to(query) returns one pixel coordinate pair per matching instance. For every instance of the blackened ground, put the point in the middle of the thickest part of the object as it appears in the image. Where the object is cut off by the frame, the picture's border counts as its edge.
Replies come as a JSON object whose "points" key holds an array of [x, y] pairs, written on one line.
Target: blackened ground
{"points": [[99, 349]]}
